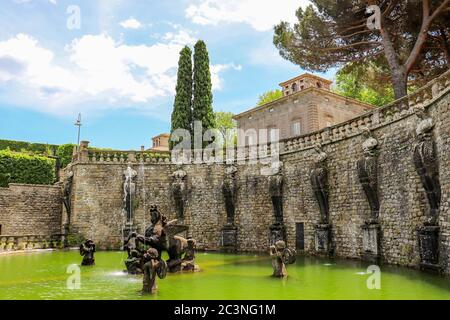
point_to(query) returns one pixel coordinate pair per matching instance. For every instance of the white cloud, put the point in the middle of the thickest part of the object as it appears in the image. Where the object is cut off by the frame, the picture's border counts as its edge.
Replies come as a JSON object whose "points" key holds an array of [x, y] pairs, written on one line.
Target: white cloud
{"points": [[217, 69], [96, 71], [131, 23], [26, 1], [262, 15]]}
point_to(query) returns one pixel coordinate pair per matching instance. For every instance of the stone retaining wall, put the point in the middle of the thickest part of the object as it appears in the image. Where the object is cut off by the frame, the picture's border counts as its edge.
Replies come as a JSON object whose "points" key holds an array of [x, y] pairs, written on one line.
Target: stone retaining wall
{"points": [[30, 210]]}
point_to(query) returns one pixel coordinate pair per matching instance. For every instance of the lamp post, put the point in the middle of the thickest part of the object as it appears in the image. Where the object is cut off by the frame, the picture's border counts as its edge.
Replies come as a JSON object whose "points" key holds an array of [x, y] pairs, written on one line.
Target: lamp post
{"points": [[78, 124]]}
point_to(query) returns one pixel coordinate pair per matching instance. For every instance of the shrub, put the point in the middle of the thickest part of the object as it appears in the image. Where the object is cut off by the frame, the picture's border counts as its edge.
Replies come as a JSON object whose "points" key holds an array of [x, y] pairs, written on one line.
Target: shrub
{"points": [[24, 168], [64, 152]]}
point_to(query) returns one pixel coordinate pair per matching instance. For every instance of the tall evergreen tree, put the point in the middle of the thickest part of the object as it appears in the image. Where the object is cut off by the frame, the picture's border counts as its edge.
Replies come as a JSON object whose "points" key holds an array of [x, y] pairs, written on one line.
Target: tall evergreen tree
{"points": [[182, 107], [202, 102]]}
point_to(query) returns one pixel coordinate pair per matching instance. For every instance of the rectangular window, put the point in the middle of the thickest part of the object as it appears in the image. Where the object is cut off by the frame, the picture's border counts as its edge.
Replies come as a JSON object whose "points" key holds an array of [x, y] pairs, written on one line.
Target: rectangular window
{"points": [[273, 135], [296, 128]]}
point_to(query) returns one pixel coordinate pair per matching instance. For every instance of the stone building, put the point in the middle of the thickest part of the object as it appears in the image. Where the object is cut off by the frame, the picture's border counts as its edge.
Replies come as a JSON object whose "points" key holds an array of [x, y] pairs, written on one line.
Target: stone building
{"points": [[160, 142], [307, 105]]}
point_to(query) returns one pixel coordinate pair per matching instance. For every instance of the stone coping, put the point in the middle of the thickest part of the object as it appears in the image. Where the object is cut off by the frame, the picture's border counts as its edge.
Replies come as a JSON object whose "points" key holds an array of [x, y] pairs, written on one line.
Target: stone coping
{"points": [[13, 185], [14, 252]]}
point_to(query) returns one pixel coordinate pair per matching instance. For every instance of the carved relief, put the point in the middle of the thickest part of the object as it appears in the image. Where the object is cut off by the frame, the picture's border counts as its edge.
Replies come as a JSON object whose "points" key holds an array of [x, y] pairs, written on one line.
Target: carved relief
{"points": [[425, 162], [179, 191], [229, 192], [275, 182], [368, 173], [319, 182], [67, 191]]}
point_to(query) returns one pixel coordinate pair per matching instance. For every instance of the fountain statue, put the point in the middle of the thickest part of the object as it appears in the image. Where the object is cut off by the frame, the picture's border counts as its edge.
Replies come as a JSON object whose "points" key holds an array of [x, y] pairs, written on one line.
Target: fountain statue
{"points": [[134, 261], [87, 250], [367, 167], [179, 191], [426, 164], [229, 192], [162, 235], [280, 257], [129, 190], [275, 186], [153, 265], [319, 184], [67, 191]]}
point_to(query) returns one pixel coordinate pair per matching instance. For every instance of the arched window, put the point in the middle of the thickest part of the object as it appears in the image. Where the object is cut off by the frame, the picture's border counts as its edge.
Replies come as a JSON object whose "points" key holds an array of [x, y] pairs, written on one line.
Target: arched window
{"points": [[294, 87], [319, 85]]}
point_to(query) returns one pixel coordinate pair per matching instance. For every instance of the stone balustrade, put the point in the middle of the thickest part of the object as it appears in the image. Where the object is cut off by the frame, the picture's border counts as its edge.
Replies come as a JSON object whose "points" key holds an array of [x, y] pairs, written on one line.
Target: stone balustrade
{"points": [[29, 242], [375, 118], [114, 156]]}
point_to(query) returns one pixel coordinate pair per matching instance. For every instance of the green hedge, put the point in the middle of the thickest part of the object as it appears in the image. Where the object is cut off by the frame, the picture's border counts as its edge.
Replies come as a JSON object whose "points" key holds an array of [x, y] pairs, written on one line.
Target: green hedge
{"points": [[23, 168], [28, 147], [64, 153]]}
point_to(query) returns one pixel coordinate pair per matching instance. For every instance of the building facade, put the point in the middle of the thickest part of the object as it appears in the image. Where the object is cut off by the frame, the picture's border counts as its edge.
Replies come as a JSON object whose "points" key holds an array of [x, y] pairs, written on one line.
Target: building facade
{"points": [[160, 142], [307, 105]]}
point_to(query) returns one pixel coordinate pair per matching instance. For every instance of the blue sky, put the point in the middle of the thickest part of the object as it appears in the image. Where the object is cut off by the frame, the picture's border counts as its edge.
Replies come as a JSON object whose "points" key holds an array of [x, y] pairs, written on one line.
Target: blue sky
{"points": [[119, 67]]}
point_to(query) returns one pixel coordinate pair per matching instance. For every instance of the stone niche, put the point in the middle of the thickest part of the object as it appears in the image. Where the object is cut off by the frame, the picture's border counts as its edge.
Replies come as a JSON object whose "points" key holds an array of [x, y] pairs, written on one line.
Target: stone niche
{"points": [[322, 239], [228, 239], [429, 248], [371, 244]]}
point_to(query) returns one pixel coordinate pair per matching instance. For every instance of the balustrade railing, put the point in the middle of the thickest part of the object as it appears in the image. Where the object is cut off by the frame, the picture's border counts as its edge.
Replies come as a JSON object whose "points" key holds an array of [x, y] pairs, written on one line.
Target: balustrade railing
{"points": [[29, 242]]}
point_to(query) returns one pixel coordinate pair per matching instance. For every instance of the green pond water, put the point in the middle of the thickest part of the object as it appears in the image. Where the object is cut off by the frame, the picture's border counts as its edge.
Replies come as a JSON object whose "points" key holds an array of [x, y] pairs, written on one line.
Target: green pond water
{"points": [[43, 275]]}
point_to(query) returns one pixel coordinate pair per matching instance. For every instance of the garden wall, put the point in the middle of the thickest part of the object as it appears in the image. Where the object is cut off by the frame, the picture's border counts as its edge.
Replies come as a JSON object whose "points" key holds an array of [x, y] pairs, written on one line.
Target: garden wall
{"points": [[30, 210], [97, 197]]}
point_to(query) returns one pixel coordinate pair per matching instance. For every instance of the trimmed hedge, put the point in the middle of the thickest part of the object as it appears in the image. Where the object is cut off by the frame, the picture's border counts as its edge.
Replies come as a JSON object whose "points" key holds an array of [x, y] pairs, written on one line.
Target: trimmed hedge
{"points": [[22, 146], [23, 168]]}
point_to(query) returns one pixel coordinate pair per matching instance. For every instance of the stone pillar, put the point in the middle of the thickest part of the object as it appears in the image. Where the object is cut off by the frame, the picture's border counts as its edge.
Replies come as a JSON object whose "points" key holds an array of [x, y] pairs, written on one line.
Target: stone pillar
{"points": [[84, 152]]}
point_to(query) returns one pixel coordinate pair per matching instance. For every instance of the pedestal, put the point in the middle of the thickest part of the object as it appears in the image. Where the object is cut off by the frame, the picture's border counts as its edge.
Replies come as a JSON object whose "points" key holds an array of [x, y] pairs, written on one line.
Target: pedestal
{"points": [[322, 237], [429, 248], [276, 232], [371, 242], [228, 240]]}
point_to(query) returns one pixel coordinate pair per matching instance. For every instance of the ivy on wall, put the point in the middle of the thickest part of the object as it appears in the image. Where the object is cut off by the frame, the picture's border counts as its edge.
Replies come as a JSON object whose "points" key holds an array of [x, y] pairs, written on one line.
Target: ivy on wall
{"points": [[23, 168]]}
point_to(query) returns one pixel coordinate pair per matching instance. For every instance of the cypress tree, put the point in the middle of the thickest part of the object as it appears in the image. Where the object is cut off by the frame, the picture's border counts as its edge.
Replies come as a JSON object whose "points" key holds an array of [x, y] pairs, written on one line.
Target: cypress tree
{"points": [[202, 109], [182, 107]]}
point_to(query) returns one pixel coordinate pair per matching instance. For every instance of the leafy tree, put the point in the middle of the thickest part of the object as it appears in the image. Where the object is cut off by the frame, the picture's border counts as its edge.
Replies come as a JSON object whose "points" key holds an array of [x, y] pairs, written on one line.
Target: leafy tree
{"points": [[182, 108], [356, 83], [224, 122], [269, 96], [412, 41], [64, 153], [202, 100]]}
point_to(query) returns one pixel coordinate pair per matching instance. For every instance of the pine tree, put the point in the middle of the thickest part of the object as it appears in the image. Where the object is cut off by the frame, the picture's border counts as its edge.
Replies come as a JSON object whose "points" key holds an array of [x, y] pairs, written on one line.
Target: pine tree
{"points": [[202, 102], [182, 107]]}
